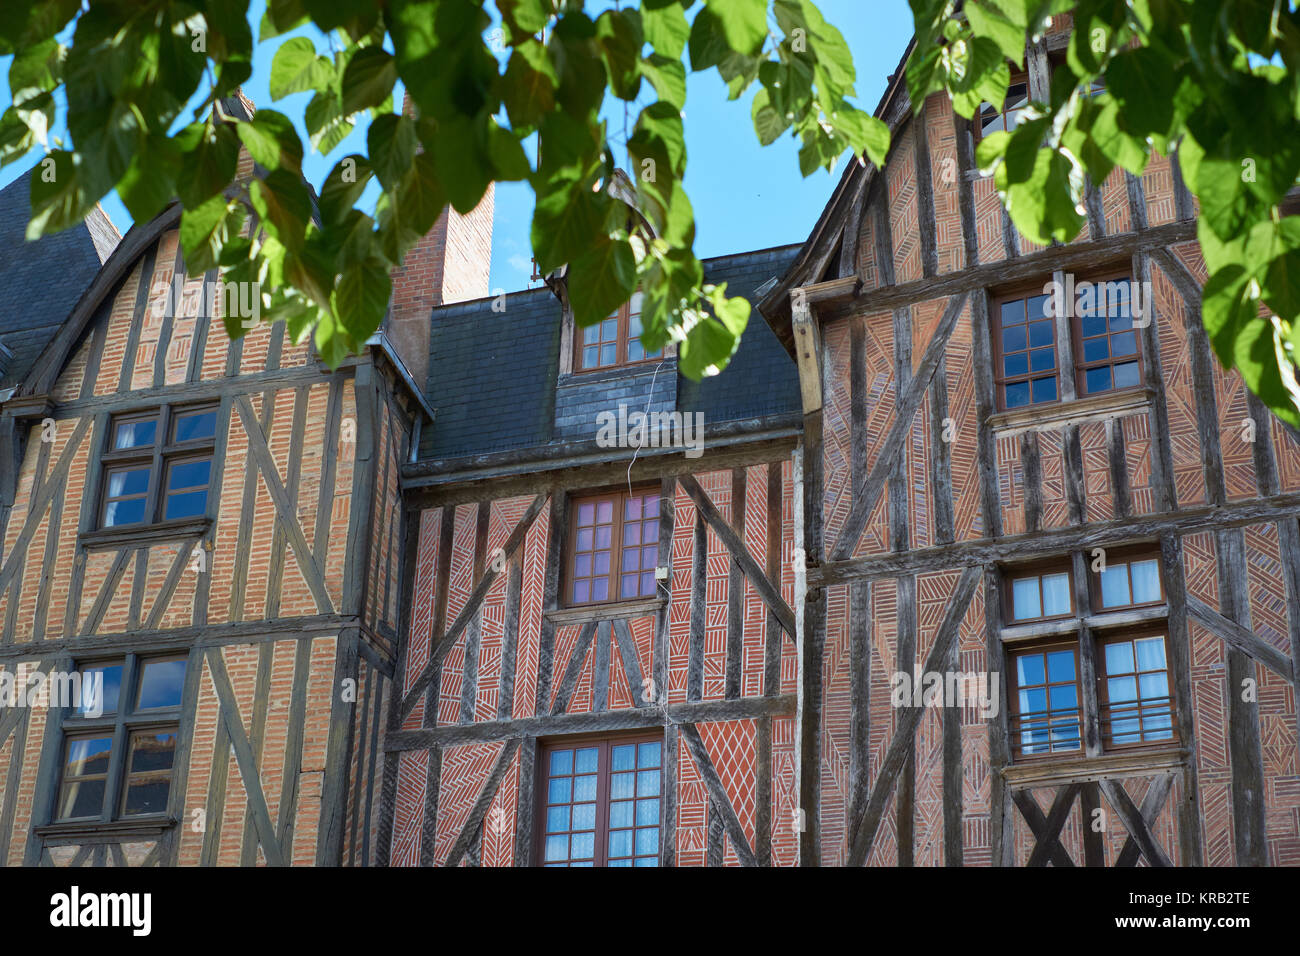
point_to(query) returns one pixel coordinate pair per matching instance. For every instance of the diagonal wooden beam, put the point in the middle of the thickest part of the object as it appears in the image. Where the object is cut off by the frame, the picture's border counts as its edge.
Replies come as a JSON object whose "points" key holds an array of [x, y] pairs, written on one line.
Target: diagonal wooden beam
{"points": [[183, 554], [1242, 638], [867, 489], [1122, 804], [284, 507], [10, 718], [448, 640], [631, 662], [485, 797], [36, 511], [909, 718], [721, 800], [1152, 804], [244, 757], [769, 592], [1047, 830], [574, 667], [105, 596]]}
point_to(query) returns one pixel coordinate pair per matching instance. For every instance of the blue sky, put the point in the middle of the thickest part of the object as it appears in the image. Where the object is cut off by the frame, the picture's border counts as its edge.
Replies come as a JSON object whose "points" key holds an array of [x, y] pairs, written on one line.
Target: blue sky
{"points": [[745, 196]]}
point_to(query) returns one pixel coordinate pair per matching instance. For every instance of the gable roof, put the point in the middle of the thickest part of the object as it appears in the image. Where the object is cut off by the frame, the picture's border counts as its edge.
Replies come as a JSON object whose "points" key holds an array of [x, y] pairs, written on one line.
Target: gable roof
{"points": [[493, 373], [41, 281]]}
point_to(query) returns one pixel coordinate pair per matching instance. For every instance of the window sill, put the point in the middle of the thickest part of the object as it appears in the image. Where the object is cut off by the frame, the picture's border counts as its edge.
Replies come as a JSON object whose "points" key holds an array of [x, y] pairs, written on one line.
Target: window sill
{"points": [[136, 534], [1055, 770], [1105, 405], [585, 613], [77, 830]]}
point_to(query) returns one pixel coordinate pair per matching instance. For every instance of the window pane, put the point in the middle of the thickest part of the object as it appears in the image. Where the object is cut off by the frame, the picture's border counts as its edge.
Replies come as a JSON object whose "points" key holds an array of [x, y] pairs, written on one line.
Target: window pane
{"points": [[1092, 324], [1029, 669], [586, 759], [188, 504], [623, 757], [648, 754], [1114, 586], [1056, 594], [1123, 344], [101, 685], [189, 474], [622, 786], [88, 756], [1150, 653], [1016, 395], [1119, 658], [584, 788], [1146, 581], [620, 813], [647, 783], [1044, 390], [561, 762], [82, 798], [130, 511], [1041, 360], [1016, 364], [1094, 350], [1040, 333], [128, 481], [1097, 379], [1024, 598], [1127, 375], [1013, 339], [161, 684], [134, 434], [1060, 666], [1122, 689], [191, 426]]}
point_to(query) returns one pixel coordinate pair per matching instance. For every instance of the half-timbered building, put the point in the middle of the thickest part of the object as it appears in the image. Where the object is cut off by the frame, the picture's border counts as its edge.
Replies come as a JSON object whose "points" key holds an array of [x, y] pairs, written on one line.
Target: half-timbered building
{"points": [[209, 528], [600, 666], [1076, 507]]}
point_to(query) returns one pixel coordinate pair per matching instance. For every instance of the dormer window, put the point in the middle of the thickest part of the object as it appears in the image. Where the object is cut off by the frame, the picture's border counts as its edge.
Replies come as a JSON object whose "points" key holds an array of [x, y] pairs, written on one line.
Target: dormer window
{"points": [[994, 120], [614, 342]]}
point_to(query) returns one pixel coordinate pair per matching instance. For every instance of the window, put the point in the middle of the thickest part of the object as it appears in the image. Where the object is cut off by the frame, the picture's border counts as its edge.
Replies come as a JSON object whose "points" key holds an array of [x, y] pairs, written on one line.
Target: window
{"points": [[993, 120], [1131, 582], [1136, 706], [1045, 712], [120, 744], [1025, 340], [1041, 596], [600, 802], [1133, 702], [614, 547], [614, 341], [1106, 346], [158, 466], [1105, 342]]}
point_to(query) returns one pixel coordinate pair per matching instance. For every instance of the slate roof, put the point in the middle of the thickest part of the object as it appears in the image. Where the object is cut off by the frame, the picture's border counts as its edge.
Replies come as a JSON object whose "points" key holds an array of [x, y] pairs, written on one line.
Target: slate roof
{"points": [[493, 374], [41, 281]]}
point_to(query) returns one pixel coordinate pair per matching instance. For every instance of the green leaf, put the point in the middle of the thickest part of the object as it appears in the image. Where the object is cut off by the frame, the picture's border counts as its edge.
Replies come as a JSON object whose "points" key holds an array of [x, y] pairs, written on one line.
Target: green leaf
{"points": [[864, 132], [1143, 84], [668, 77], [768, 123], [368, 79], [283, 206], [988, 21], [149, 183], [463, 161], [601, 280], [707, 43], [343, 187], [271, 140], [509, 161], [391, 142], [525, 17], [1045, 206], [666, 29], [296, 68], [208, 161], [619, 35], [361, 297], [205, 229], [530, 82], [57, 199], [567, 222], [743, 23]]}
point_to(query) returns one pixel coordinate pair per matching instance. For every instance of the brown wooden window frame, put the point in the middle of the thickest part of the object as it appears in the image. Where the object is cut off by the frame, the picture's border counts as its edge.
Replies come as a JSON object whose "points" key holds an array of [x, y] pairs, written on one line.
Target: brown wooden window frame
{"points": [[159, 457], [1083, 366], [604, 743], [1127, 557], [1011, 576], [619, 498], [622, 342], [1001, 379], [1017, 77], [1023, 293], [127, 722], [1015, 716], [1145, 707]]}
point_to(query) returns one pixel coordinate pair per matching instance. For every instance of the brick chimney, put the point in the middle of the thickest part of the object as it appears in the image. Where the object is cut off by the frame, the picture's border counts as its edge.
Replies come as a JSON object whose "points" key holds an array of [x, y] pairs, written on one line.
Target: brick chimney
{"points": [[450, 264]]}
